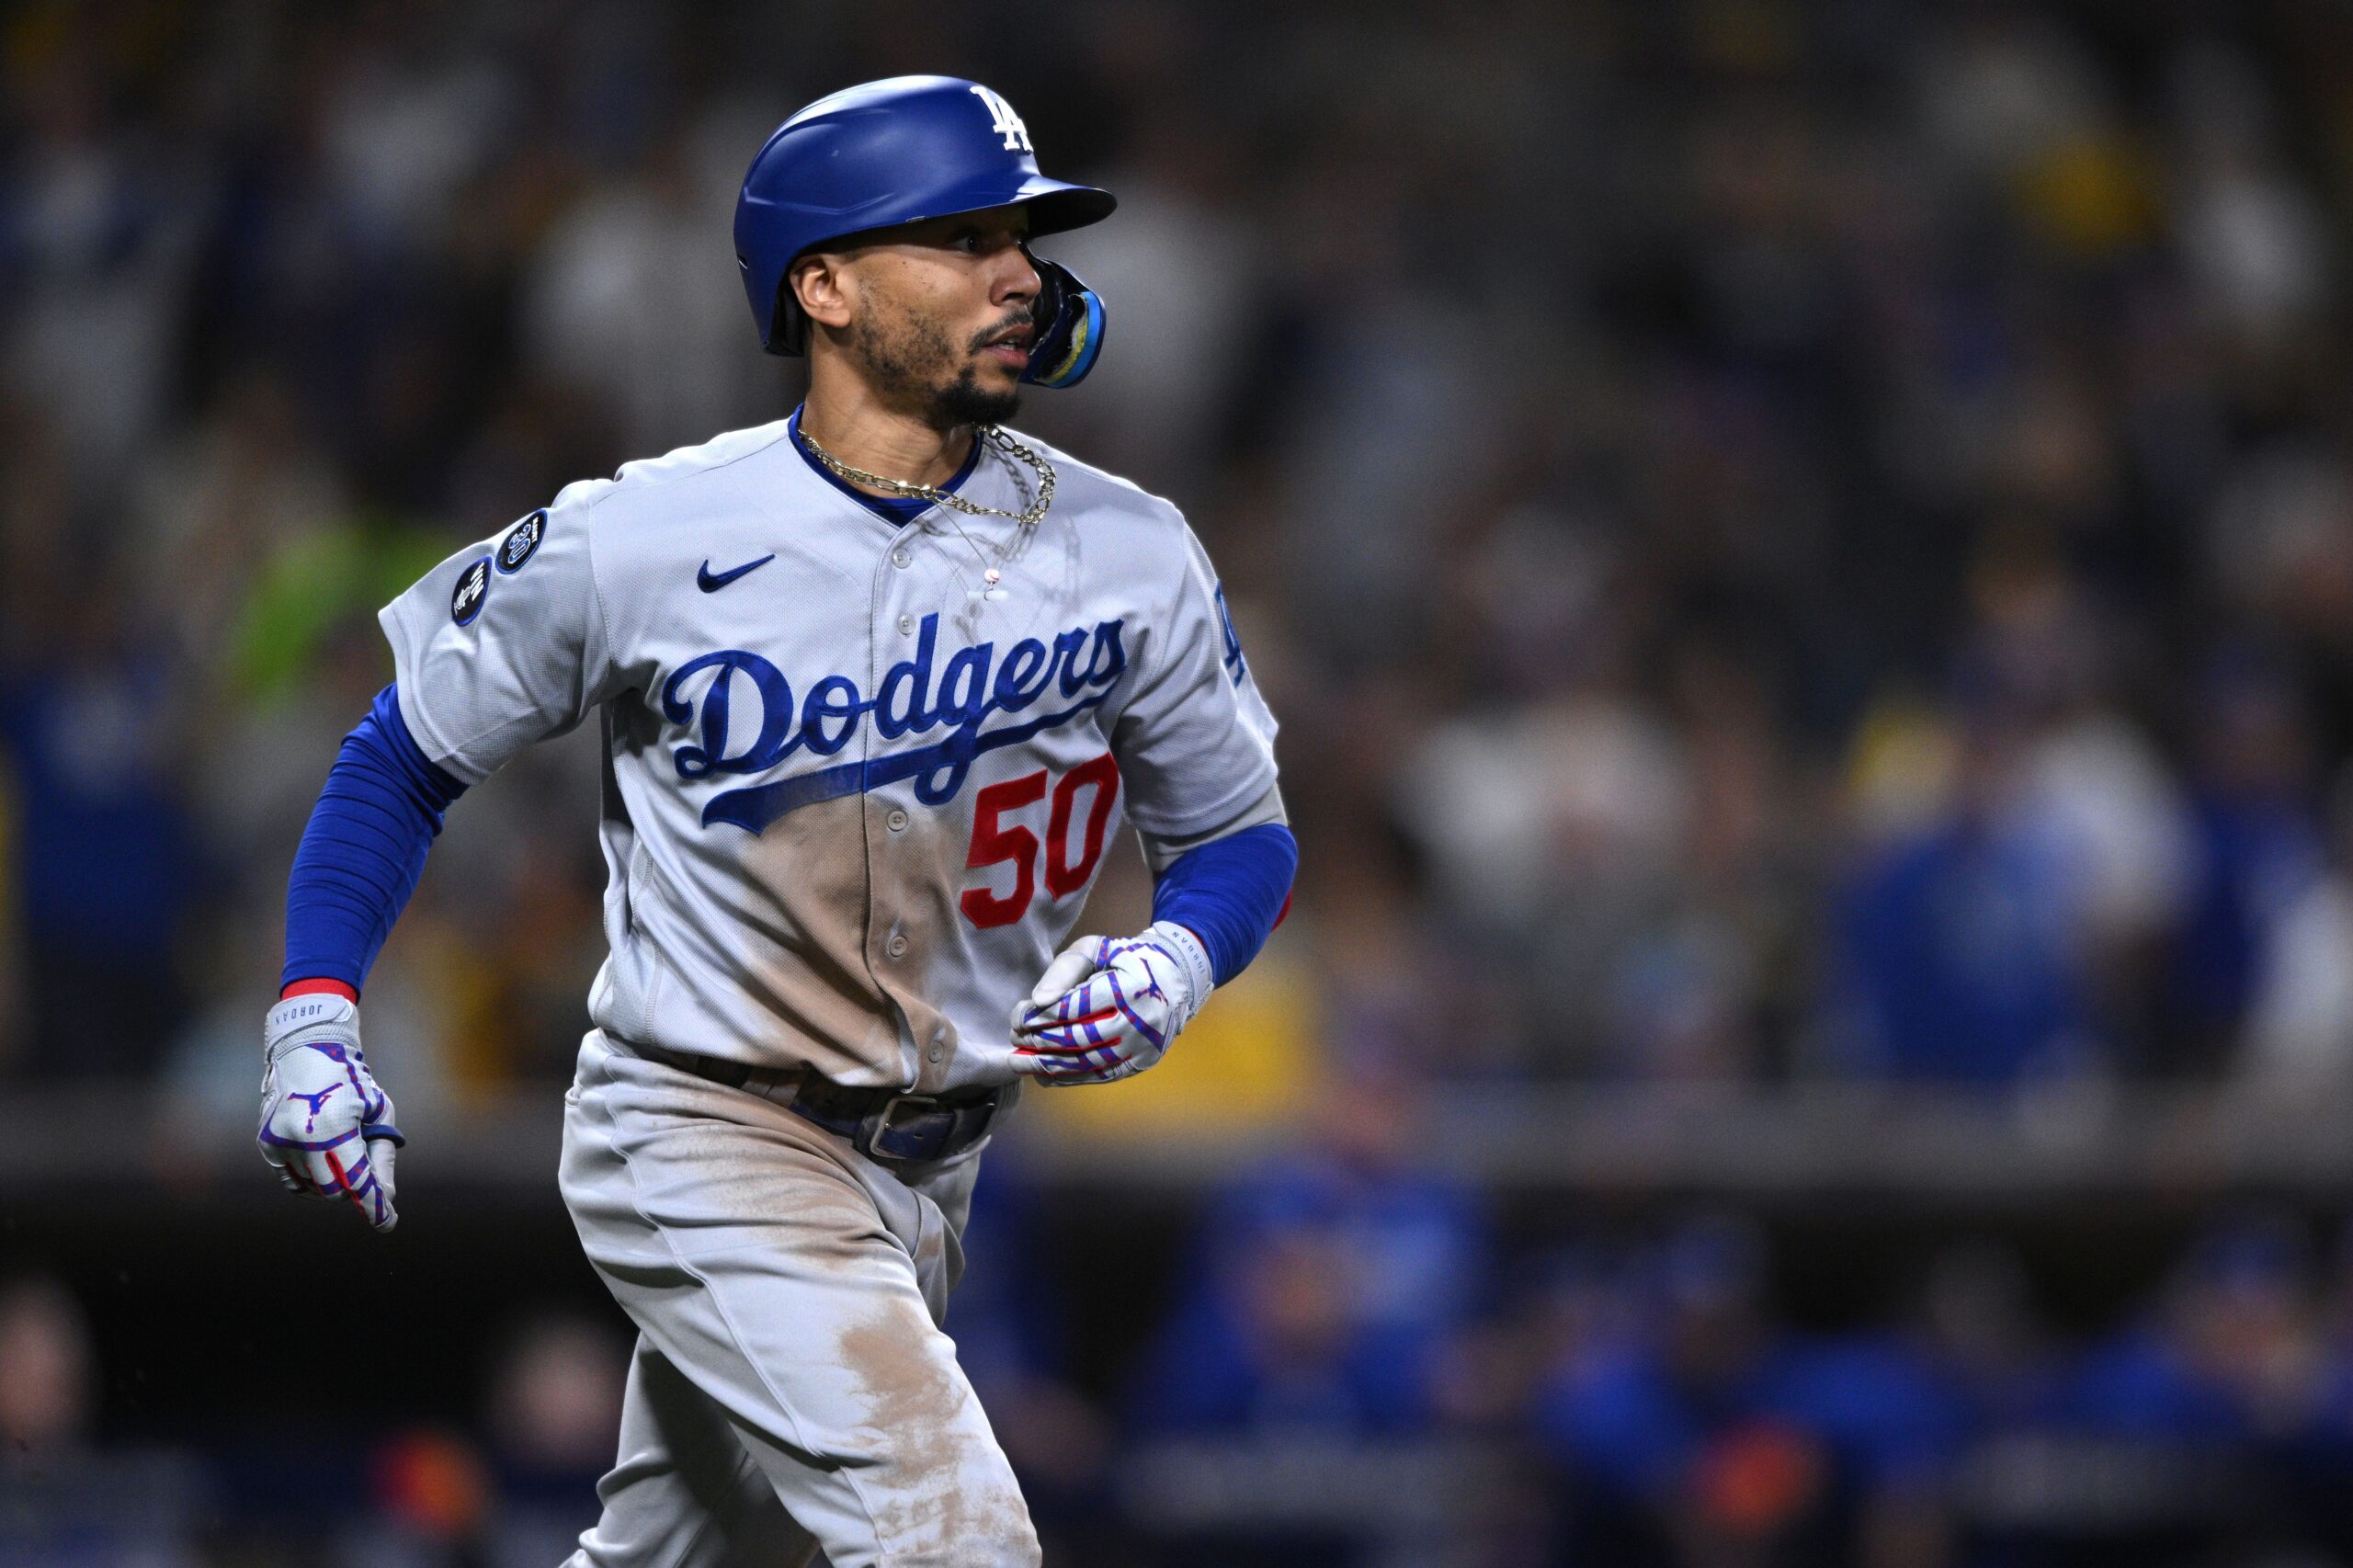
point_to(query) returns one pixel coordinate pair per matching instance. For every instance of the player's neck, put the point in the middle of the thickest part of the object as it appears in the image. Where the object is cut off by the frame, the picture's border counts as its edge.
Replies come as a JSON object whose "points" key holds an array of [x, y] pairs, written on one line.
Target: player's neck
{"points": [[862, 433]]}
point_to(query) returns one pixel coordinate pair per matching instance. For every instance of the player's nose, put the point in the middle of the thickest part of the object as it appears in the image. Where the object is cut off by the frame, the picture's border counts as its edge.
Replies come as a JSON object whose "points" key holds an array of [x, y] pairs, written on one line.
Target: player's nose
{"points": [[1012, 277]]}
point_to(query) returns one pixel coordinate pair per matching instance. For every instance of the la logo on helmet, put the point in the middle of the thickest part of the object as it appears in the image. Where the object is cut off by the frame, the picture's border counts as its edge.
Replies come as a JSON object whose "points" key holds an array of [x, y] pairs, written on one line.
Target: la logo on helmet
{"points": [[1004, 122]]}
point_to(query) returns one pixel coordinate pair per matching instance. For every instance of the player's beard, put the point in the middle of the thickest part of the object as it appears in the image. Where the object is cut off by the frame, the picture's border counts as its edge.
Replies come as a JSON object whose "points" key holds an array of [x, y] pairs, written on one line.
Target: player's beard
{"points": [[912, 365]]}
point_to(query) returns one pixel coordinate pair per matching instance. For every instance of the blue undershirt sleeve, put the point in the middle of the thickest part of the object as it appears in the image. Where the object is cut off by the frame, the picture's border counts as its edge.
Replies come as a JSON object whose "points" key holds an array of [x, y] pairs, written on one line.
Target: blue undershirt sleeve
{"points": [[1229, 892], [364, 848]]}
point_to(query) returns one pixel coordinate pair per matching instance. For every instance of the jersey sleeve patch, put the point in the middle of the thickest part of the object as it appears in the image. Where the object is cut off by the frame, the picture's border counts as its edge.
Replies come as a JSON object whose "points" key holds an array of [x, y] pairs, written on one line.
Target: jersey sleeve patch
{"points": [[522, 541], [472, 592]]}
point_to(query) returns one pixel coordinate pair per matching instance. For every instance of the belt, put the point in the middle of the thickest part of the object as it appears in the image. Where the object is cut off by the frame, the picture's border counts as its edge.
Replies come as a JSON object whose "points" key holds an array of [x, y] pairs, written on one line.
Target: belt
{"points": [[883, 1124]]}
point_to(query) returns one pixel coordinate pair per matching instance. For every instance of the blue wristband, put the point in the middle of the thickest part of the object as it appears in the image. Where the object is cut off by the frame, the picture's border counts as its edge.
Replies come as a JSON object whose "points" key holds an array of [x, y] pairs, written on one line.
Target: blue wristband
{"points": [[1230, 891]]}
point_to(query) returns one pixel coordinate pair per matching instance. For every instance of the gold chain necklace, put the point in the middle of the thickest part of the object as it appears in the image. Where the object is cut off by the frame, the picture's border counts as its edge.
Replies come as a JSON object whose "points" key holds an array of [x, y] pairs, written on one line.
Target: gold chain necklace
{"points": [[948, 498]]}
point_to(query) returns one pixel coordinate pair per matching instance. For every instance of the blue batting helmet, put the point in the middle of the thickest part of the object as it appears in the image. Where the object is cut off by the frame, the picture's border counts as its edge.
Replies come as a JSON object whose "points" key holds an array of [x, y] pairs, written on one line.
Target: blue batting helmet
{"points": [[896, 151]]}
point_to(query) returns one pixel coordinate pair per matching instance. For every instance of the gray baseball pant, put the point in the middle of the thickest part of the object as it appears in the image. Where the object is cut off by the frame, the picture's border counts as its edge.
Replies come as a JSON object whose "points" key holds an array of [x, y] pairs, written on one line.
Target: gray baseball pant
{"points": [[792, 1387]]}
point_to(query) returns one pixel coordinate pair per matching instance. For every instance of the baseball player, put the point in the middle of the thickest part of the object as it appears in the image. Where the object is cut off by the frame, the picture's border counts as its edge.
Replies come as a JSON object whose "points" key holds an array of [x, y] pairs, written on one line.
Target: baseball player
{"points": [[878, 686]]}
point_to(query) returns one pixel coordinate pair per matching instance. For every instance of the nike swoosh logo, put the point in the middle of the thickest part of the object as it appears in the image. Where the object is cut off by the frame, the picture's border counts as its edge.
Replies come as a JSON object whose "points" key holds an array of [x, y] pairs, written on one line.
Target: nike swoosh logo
{"points": [[711, 582]]}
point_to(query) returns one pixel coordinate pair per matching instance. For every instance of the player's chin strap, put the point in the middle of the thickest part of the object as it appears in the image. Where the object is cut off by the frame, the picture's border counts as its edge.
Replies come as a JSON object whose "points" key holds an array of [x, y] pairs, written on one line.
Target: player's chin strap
{"points": [[1070, 327]]}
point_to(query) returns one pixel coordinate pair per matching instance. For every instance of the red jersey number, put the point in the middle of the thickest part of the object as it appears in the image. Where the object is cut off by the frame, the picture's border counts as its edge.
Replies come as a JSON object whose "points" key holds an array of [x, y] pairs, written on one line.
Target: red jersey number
{"points": [[996, 842]]}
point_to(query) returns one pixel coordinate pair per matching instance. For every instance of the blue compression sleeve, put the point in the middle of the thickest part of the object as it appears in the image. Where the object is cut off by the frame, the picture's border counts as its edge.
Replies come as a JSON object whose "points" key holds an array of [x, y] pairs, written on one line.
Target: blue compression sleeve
{"points": [[1230, 891], [364, 850]]}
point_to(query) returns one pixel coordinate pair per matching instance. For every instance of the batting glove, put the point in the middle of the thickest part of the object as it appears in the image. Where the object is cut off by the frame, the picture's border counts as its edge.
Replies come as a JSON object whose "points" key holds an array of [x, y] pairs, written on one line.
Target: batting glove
{"points": [[1107, 1008], [325, 1124]]}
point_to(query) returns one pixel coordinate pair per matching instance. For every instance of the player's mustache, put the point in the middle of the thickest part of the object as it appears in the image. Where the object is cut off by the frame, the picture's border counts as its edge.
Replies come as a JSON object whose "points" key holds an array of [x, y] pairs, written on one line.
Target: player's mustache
{"points": [[1020, 316]]}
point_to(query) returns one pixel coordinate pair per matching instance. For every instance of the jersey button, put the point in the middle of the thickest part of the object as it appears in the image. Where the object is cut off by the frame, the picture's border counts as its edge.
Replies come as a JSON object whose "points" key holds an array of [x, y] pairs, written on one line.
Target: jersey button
{"points": [[900, 557], [937, 1050], [896, 947], [906, 626], [898, 821]]}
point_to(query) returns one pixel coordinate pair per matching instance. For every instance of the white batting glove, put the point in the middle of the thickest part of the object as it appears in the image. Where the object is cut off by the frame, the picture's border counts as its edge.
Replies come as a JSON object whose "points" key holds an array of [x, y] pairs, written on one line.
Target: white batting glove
{"points": [[325, 1124], [1108, 1007]]}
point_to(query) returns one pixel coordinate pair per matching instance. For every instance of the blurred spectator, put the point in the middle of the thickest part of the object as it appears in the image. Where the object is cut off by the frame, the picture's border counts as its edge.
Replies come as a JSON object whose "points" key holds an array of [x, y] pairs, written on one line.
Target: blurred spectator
{"points": [[2259, 853], [553, 1419], [1326, 1287], [103, 223], [93, 733], [524, 1490], [1664, 1438], [2007, 935], [2182, 1427], [1317, 1334], [46, 1399], [1960, 958], [2299, 1019], [1703, 1432], [430, 1505], [62, 1495], [629, 302]]}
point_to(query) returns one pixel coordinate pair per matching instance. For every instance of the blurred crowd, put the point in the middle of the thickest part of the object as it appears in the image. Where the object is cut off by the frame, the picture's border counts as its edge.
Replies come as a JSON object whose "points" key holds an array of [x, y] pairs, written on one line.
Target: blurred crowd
{"points": [[1360, 1369], [1788, 540], [1354, 1366]]}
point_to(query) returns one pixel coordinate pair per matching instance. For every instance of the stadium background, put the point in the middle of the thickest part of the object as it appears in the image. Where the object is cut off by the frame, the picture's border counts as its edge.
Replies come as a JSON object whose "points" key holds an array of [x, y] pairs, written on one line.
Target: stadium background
{"points": [[1805, 556]]}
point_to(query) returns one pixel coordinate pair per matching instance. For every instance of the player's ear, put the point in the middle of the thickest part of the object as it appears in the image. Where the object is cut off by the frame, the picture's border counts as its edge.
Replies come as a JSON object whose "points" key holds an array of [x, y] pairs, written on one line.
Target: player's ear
{"points": [[822, 287]]}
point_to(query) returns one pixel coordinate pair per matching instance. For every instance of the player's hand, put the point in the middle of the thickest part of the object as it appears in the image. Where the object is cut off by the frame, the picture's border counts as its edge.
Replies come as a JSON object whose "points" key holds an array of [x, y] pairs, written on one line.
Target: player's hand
{"points": [[325, 1124], [1108, 1007]]}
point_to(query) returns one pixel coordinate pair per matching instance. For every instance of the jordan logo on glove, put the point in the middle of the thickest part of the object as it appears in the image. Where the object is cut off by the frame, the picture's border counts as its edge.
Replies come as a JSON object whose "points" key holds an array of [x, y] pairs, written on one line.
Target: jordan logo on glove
{"points": [[314, 1101]]}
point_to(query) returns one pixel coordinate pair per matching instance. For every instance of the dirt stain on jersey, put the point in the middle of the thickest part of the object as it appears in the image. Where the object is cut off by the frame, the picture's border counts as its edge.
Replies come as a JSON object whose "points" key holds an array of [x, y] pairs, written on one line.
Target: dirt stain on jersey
{"points": [[919, 871], [873, 910], [831, 1011]]}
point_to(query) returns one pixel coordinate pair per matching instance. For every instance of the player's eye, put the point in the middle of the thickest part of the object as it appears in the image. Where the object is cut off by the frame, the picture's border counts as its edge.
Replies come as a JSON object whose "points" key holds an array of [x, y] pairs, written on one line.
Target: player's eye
{"points": [[965, 240]]}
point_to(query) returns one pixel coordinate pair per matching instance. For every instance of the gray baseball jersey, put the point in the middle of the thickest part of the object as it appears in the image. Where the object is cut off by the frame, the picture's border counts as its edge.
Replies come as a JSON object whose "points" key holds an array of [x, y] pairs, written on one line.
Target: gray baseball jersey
{"points": [[852, 805]]}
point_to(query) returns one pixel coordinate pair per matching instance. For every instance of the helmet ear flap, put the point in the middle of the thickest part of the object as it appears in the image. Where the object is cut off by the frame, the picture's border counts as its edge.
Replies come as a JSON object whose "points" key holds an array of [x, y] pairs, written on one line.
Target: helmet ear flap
{"points": [[787, 323], [1070, 318], [790, 336]]}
